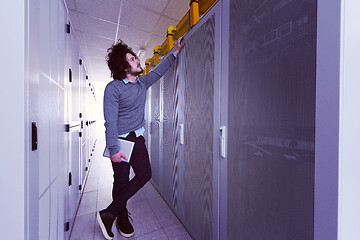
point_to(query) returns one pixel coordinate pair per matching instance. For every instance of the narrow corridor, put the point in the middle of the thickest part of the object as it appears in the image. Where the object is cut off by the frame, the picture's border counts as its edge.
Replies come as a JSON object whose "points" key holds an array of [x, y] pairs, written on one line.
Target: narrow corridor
{"points": [[152, 218]]}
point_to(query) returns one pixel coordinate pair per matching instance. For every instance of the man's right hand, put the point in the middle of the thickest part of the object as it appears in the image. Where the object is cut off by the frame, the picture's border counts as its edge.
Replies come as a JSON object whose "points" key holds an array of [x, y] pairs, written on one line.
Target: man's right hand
{"points": [[117, 157]]}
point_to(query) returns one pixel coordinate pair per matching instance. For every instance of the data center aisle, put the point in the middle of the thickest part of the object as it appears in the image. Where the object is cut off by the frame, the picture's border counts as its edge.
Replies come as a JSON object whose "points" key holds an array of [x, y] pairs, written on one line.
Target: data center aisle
{"points": [[152, 218]]}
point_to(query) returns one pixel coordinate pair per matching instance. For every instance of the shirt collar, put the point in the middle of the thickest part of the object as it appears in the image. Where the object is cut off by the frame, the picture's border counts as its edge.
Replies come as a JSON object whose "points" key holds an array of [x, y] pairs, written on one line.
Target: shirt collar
{"points": [[125, 80]]}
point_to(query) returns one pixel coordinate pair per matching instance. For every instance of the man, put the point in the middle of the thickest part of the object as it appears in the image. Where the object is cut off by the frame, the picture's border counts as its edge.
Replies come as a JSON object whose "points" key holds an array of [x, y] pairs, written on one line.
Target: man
{"points": [[124, 110]]}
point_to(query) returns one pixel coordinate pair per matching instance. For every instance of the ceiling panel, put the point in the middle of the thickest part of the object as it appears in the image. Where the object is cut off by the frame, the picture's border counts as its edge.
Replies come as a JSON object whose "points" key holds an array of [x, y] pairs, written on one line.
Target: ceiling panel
{"points": [[161, 27], [134, 36], [97, 26], [74, 19], [133, 47], [98, 61], [105, 9], [70, 4], [153, 41], [177, 9], [83, 50], [84, 55], [98, 42], [79, 37], [101, 68], [137, 17], [154, 5], [96, 52]]}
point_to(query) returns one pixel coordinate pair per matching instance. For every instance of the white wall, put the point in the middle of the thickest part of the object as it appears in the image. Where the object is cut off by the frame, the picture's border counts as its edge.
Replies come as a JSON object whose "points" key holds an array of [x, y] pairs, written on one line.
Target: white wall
{"points": [[327, 120], [12, 104], [349, 139]]}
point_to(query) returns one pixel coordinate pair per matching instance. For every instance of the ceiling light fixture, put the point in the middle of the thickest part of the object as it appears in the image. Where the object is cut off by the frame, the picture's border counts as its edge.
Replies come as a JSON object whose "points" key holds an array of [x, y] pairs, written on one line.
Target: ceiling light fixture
{"points": [[140, 53]]}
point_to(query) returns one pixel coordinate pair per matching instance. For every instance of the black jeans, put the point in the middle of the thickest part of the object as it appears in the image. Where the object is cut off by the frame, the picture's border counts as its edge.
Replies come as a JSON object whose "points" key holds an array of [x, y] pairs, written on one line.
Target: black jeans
{"points": [[123, 189]]}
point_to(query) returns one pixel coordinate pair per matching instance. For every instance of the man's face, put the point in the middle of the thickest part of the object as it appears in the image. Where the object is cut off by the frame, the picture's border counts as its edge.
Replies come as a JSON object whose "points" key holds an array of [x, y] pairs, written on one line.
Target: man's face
{"points": [[135, 67]]}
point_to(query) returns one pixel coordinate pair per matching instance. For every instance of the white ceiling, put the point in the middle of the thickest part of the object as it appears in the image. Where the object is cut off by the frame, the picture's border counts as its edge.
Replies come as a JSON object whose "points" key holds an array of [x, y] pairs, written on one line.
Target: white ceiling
{"points": [[142, 24]]}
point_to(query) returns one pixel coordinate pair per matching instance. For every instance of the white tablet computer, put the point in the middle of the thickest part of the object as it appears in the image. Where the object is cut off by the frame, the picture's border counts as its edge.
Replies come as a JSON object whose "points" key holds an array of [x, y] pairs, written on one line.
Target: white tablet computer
{"points": [[125, 147]]}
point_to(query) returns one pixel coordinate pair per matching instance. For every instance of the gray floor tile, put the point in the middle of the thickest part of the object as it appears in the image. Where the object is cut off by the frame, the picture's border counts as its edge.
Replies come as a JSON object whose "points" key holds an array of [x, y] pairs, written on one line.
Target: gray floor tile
{"points": [[83, 227], [149, 191], [139, 196], [94, 169], [92, 184], [177, 232], [117, 235], [163, 213], [144, 219], [88, 203], [105, 181], [156, 235], [137, 208], [146, 224], [97, 233], [105, 165], [104, 198]]}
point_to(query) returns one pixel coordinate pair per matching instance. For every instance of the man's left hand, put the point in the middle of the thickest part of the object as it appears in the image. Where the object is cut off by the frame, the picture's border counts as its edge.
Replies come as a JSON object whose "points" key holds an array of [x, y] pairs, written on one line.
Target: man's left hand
{"points": [[179, 45]]}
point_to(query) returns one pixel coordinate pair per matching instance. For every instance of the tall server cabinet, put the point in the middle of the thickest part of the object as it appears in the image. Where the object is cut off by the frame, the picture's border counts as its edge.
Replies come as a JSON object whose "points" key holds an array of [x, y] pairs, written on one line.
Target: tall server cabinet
{"points": [[60, 97], [271, 120], [47, 47], [74, 123], [184, 129]]}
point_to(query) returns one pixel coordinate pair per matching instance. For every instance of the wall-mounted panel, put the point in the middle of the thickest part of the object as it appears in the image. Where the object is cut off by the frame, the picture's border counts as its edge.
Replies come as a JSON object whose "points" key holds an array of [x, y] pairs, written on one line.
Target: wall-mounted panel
{"points": [[44, 217], [62, 186], [74, 155], [61, 152], [55, 121], [53, 209], [54, 38], [74, 102], [84, 155], [44, 37], [44, 133], [62, 44], [270, 176]]}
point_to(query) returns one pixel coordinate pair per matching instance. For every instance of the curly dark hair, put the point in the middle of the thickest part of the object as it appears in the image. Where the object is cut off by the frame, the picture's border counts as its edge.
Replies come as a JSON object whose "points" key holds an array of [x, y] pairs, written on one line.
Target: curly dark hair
{"points": [[116, 59]]}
